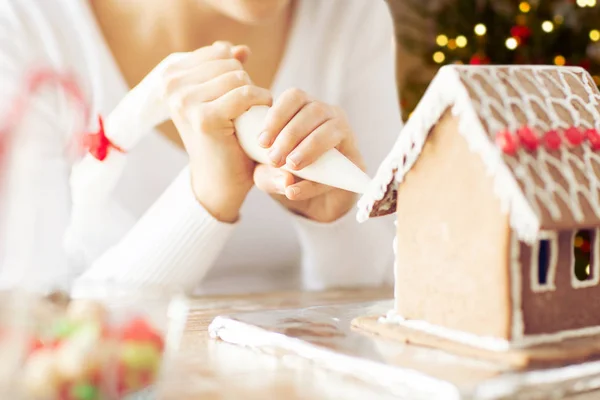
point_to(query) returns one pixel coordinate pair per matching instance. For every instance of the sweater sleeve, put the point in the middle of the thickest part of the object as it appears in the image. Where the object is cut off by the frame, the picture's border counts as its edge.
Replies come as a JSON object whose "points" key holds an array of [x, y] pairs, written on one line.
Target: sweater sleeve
{"points": [[345, 253], [174, 243]]}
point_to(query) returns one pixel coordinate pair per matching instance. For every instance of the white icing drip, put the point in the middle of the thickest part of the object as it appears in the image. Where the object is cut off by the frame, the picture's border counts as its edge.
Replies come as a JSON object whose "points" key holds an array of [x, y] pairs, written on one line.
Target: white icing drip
{"points": [[484, 342], [531, 340], [446, 90], [240, 333], [518, 323]]}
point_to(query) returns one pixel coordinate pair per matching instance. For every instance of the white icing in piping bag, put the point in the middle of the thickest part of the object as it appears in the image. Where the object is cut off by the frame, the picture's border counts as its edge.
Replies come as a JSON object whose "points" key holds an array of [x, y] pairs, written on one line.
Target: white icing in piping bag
{"points": [[332, 168]]}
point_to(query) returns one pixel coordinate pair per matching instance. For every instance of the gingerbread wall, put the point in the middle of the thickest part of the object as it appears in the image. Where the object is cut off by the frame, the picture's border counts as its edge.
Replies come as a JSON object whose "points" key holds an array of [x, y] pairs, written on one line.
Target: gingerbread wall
{"points": [[563, 308], [453, 240]]}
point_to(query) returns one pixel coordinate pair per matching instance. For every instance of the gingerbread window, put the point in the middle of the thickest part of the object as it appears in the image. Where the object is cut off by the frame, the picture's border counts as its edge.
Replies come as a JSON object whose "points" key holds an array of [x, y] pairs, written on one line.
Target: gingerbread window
{"points": [[544, 257], [585, 258]]}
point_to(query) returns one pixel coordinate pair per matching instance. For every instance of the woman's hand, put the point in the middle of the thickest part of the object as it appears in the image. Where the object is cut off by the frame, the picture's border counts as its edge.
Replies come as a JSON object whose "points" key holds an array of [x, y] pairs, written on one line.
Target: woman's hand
{"points": [[206, 92], [298, 130]]}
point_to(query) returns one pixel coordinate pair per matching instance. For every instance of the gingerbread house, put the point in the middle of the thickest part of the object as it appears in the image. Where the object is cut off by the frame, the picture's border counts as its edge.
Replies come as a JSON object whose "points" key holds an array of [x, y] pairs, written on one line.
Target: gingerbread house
{"points": [[495, 181]]}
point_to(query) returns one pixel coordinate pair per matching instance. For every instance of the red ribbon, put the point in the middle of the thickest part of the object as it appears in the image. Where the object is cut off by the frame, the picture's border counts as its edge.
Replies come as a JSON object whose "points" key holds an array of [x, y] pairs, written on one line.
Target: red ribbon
{"points": [[97, 144]]}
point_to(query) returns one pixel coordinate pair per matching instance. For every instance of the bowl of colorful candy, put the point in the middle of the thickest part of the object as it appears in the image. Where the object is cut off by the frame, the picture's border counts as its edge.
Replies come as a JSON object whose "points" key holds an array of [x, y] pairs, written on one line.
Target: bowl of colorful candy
{"points": [[105, 341]]}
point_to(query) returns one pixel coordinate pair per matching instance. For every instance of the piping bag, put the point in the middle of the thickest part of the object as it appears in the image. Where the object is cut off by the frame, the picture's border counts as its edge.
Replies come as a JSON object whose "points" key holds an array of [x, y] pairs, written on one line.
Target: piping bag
{"points": [[332, 168]]}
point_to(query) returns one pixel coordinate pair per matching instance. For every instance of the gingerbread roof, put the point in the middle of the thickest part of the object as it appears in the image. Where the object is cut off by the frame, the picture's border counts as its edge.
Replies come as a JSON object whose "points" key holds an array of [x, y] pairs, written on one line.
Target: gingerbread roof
{"points": [[536, 129]]}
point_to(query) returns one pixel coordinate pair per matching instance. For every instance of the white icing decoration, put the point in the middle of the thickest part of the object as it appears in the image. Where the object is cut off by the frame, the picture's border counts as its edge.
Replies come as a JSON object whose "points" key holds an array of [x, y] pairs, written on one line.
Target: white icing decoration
{"points": [[470, 339], [395, 246], [516, 290], [240, 333], [448, 90], [536, 287], [531, 340], [595, 252], [486, 342]]}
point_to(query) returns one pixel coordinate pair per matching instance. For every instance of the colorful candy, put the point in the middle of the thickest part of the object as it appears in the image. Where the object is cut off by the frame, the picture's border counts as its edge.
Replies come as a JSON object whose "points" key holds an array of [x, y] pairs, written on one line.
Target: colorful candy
{"points": [[84, 391], [64, 328], [83, 357], [138, 330]]}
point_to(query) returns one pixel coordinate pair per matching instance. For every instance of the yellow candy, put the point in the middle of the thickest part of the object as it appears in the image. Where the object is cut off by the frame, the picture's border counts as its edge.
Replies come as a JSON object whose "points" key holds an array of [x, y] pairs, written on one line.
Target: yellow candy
{"points": [[140, 355]]}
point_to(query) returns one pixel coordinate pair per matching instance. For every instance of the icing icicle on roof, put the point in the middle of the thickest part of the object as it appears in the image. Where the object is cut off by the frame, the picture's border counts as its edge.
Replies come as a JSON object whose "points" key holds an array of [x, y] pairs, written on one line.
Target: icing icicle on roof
{"points": [[536, 129]]}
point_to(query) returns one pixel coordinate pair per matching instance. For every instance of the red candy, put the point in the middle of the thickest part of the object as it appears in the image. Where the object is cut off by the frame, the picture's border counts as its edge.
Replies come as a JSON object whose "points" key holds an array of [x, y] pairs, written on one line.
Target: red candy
{"points": [[593, 138], [96, 378], [147, 377], [507, 142], [64, 393], [36, 344], [528, 138], [552, 140], [574, 136], [135, 328], [139, 330]]}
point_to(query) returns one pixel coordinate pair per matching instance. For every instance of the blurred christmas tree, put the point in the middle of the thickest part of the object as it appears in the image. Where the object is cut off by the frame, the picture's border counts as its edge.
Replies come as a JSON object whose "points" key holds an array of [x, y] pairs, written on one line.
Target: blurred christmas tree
{"points": [[558, 32]]}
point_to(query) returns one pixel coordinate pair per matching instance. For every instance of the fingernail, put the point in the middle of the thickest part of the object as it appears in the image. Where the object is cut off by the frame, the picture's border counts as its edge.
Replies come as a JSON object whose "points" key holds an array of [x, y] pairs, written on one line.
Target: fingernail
{"points": [[275, 157], [294, 160], [293, 192], [264, 140]]}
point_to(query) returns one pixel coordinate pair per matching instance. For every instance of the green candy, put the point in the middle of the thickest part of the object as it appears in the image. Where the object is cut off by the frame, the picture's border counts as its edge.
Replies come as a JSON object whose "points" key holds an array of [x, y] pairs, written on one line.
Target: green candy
{"points": [[140, 356], [84, 391], [64, 328]]}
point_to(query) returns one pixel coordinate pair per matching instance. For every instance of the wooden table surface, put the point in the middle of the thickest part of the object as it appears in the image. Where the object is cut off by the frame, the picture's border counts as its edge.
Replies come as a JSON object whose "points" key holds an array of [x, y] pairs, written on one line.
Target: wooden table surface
{"points": [[210, 369]]}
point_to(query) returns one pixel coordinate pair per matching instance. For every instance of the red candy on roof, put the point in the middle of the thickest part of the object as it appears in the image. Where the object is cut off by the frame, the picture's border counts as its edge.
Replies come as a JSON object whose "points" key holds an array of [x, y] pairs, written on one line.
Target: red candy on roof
{"points": [[574, 136], [552, 140], [526, 138], [507, 142], [593, 138]]}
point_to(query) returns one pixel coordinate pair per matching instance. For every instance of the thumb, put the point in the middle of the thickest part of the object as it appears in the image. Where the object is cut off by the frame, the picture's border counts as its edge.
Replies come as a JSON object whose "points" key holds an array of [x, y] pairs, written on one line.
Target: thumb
{"points": [[272, 180], [241, 53]]}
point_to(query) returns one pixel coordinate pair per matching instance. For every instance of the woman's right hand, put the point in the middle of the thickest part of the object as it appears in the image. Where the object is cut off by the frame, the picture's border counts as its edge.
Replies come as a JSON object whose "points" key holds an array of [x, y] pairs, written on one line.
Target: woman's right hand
{"points": [[206, 92]]}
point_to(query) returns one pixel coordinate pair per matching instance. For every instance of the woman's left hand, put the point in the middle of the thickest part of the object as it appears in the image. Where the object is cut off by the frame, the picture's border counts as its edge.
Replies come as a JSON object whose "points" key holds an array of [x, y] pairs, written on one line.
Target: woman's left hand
{"points": [[298, 130]]}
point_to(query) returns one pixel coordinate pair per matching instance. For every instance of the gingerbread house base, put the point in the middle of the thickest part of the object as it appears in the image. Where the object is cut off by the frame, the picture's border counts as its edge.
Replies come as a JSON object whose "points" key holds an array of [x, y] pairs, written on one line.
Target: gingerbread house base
{"points": [[566, 352]]}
